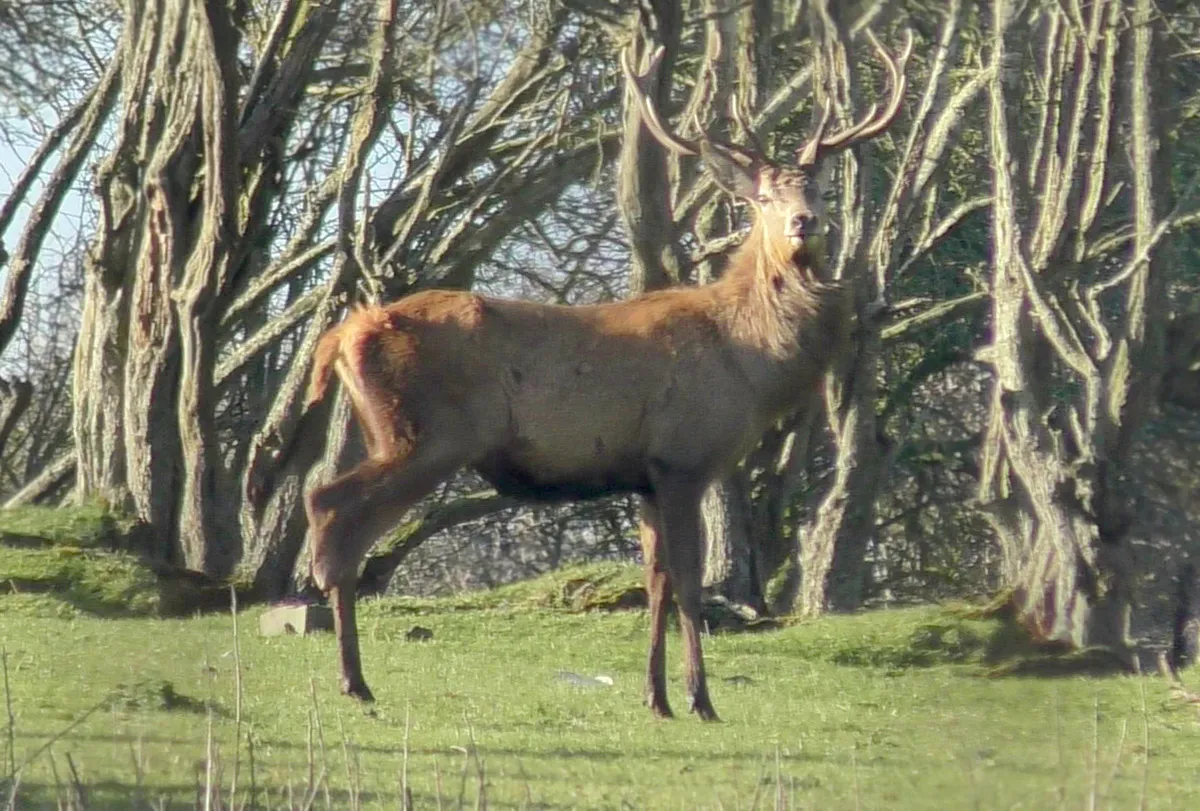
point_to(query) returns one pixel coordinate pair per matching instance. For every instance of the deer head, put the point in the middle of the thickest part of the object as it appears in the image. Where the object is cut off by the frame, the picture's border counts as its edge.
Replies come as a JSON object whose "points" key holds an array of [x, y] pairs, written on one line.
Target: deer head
{"points": [[788, 199]]}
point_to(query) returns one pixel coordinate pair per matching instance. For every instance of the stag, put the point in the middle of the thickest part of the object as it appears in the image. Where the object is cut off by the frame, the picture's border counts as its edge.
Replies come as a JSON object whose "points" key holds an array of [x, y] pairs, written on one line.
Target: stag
{"points": [[656, 396]]}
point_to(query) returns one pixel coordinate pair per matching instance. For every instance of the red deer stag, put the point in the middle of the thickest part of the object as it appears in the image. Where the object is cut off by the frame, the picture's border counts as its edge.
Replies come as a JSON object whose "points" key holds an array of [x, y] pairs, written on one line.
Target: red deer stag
{"points": [[657, 395]]}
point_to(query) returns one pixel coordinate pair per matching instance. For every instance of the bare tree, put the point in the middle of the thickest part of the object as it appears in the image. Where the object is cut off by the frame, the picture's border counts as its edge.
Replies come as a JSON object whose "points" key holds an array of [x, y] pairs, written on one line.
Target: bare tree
{"points": [[262, 166], [486, 168], [881, 236], [1082, 206], [262, 172]]}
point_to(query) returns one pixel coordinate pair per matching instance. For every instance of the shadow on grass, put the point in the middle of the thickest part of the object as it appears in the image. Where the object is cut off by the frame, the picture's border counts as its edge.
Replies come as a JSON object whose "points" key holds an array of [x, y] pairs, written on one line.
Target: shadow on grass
{"points": [[113, 795], [300, 748], [988, 641], [101, 563], [1010, 651]]}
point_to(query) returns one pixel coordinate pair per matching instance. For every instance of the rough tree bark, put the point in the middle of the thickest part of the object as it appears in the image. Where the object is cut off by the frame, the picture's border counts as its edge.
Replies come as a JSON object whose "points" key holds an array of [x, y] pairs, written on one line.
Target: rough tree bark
{"points": [[747, 517], [655, 194], [213, 270], [168, 190], [1074, 350], [643, 183], [871, 236]]}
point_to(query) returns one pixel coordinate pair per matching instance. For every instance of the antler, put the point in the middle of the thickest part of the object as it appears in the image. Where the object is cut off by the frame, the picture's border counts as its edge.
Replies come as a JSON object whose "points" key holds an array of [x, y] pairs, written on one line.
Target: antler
{"points": [[638, 83], [703, 146], [871, 124]]}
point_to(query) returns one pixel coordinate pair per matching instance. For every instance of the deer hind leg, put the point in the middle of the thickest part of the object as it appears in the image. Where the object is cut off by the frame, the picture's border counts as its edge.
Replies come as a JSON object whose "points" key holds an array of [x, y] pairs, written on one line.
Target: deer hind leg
{"points": [[345, 627], [347, 515], [678, 502], [658, 591]]}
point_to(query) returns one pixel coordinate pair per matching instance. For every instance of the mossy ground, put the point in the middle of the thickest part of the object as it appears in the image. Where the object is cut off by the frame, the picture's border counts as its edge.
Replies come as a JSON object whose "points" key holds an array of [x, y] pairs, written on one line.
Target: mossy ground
{"points": [[80, 556]]}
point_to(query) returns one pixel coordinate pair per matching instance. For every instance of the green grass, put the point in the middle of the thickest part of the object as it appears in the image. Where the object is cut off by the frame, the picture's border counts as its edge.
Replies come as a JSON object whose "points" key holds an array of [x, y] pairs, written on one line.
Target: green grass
{"points": [[889, 709], [87, 558], [96, 581], [86, 526]]}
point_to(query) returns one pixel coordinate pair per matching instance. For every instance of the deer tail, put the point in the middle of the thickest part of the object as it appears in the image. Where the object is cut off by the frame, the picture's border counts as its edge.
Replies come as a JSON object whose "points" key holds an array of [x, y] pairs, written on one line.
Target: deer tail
{"points": [[329, 348]]}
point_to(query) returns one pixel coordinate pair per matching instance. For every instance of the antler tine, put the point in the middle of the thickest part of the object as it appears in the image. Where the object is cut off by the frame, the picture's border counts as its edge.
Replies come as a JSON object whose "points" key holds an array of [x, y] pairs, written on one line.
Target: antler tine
{"points": [[650, 117], [807, 155], [875, 122], [741, 115]]}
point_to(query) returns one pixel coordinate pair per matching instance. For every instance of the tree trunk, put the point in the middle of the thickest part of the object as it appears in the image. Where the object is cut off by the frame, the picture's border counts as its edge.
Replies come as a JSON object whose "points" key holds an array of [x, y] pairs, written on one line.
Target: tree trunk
{"points": [[733, 566], [1050, 470], [14, 400], [833, 546], [49, 483], [275, 531], [643, 186], [834, 549], [149, 425]]}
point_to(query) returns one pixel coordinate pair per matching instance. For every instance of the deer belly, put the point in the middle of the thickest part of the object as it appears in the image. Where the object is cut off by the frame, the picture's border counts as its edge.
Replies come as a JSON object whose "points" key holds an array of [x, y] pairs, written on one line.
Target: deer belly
{"points": [[524, 473]]}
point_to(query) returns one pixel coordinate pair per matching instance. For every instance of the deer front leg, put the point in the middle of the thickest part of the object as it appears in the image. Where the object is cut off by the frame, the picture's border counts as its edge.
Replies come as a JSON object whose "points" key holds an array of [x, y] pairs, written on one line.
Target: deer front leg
{"points": [[346, 629], [678, 502], [658, 592]]}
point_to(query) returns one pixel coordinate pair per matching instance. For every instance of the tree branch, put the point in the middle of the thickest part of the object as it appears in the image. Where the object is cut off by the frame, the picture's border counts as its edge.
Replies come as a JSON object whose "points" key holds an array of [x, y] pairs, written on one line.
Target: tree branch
{"points": [[381, 566], [20, 270]]}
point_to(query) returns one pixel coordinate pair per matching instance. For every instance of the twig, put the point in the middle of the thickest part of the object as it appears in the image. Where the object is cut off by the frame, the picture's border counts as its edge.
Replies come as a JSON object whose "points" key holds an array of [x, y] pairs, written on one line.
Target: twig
{"points": [[1058, 743], [210, 753], [136, 754], [1095, 752], [12, 719], [312, 798], [854, 769], [762, 768], [237, 697], [405, 792], [78, 796], [462, 782], [1143, 256], [437, 782], [1112, 775], [252, 800], [63, 733], [480, 772], [778, 781], [1145, 746], [351, 774], [58, 788], [312, 690], [12, 793], [311, 788]]}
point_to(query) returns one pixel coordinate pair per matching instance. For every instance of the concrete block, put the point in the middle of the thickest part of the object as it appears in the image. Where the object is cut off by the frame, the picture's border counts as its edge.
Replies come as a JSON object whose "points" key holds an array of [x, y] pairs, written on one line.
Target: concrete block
{"points": [[295, 618]]}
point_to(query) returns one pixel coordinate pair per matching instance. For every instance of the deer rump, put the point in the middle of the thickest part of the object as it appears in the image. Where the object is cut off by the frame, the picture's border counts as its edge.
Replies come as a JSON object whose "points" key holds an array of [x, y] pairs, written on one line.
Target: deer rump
{"points": [[547, 403]]}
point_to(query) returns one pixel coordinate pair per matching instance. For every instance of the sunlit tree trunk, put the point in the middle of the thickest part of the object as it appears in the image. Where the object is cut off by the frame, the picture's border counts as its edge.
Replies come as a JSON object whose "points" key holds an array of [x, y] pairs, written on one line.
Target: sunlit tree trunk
{"points": [[1075, 316], [834, 544], [143, 375]]}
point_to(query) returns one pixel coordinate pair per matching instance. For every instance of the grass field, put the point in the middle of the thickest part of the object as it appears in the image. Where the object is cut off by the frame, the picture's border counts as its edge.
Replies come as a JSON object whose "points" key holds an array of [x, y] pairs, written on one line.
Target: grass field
{"points": [[106, 704], [890, 709]]}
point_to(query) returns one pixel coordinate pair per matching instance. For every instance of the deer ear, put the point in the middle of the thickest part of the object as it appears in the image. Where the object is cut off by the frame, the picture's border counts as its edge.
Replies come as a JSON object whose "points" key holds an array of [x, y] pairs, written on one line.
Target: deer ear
{"points": [[734, 172]]}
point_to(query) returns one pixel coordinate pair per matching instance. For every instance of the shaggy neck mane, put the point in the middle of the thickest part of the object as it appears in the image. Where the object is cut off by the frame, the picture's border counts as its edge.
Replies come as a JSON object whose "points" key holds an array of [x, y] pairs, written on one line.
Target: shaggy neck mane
{"points": [[778, 299]]}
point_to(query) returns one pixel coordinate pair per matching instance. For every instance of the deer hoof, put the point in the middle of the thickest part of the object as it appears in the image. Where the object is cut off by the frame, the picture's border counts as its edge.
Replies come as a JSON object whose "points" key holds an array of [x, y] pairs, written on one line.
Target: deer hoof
{"points": [[659, 707], [704, 710], [358, 690]]}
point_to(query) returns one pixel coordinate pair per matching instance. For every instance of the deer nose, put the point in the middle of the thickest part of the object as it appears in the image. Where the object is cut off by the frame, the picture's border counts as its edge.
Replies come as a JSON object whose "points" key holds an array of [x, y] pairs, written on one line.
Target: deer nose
{"points": [[803, 224]]}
